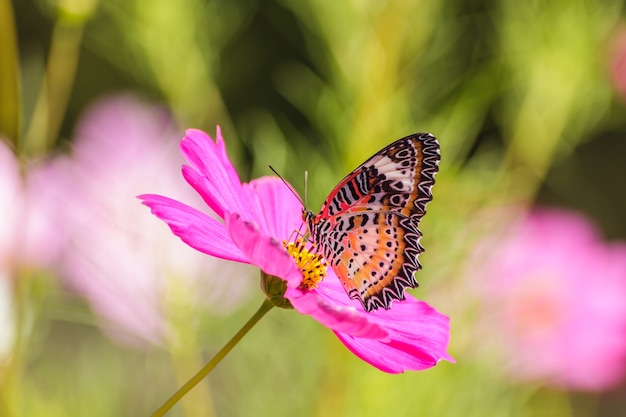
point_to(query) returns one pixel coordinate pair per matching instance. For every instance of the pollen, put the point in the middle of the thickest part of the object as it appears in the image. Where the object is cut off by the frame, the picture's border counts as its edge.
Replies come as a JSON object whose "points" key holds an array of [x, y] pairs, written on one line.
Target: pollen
{"points": [[312, 265]]}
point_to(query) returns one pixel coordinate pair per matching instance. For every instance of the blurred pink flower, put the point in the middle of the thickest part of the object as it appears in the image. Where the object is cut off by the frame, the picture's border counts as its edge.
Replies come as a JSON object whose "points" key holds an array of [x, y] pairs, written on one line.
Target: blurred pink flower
{"points": [[19, 242], [557, 295], [133, 272], [258, 216], [12, 197], [24, 245]]}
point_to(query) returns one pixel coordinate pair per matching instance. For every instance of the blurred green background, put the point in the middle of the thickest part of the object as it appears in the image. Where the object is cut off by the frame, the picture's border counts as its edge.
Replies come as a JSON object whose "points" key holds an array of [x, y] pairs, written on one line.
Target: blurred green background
{"points": [[524, 96]]}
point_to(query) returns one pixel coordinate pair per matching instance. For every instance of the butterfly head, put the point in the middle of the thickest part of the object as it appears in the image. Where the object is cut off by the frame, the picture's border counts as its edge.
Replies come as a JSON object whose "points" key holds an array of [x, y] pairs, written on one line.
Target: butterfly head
{"points": [[308, 217], [307, 214]]}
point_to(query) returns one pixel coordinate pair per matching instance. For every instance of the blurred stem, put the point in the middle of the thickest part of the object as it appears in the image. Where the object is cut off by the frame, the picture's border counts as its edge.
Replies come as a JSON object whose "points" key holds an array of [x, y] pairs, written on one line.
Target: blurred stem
{"points": [[533, 158], [198, 402], [335, 379], [9, 75], [265, 307], [11, 398], [11, 373], [56, 88], [373, 111]]}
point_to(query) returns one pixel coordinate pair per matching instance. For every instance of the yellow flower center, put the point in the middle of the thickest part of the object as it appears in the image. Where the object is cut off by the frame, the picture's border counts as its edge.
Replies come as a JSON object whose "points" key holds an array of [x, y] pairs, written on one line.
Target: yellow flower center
{"points": [[312, 265]]}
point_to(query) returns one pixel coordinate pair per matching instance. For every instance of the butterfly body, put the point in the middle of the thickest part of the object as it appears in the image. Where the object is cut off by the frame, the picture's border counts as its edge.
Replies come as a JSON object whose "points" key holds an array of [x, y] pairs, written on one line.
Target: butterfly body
{"points": [[367, 229]]}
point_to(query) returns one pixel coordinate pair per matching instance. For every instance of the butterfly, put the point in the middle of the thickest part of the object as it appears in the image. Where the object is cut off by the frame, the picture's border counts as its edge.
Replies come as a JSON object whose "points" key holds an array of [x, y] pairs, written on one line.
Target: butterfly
{"points": [[367, 229]]}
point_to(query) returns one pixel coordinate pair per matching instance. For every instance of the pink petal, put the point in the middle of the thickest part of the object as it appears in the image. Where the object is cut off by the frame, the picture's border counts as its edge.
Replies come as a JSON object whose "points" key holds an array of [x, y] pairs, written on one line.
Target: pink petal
{"points": [[281, 208], [418, 338], [195, 228], [223, 157], [339, 318], [264, 251], [211, 174], [410, 336]]}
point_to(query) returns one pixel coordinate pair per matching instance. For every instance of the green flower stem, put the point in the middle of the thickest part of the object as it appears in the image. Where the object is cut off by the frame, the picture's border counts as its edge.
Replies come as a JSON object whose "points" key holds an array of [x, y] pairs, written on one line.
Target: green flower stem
{"points": [[265, 307]]}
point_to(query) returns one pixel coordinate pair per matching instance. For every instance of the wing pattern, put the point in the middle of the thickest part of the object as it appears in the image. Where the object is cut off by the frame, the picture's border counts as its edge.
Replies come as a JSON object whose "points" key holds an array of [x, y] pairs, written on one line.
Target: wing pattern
{"points": [[367, 228]]}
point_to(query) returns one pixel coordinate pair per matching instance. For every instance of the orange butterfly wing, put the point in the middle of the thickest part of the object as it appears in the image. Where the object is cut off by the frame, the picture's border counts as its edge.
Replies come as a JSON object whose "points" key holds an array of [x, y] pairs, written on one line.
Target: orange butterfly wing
{"points": [[368, 226]]}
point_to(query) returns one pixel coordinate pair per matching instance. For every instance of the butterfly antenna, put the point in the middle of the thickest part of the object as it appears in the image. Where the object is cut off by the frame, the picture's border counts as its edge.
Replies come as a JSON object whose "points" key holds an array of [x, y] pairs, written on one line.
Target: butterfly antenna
{"points": [[306, 189], [288, 186]]}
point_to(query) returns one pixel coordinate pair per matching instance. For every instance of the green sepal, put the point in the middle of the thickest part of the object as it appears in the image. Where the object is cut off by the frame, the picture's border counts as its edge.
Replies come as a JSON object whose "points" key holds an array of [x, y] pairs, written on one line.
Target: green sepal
{"points": [[274, 289]]}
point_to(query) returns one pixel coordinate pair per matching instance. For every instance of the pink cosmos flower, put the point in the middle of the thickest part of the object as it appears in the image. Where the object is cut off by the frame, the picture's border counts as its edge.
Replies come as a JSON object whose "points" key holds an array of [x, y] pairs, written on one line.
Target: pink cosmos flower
{"points": [[257, 217], [555, 293], [135, 275]]}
